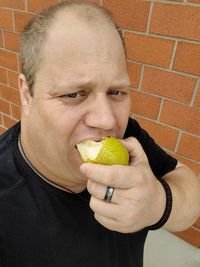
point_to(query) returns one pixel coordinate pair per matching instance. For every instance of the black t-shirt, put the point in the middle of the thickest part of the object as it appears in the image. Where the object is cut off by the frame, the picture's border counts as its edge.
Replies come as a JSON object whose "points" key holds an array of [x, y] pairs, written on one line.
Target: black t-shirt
{"points": [[41, 225]]}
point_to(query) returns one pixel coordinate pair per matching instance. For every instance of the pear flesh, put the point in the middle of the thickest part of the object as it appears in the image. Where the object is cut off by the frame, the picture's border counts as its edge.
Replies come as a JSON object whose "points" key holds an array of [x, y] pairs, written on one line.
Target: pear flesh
{"points": [[89, 149]]}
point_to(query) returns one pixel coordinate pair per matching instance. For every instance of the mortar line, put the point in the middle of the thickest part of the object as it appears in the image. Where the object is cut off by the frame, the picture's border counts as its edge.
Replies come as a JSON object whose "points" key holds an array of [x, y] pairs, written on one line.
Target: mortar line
{"points": [[195, 228], [7, 85], [195, 93], [165, 69], [178, 140], [150, 15], [165, 37], [178, 3], [2, 48], [13, 21], [182, 156], [26, 6], [173, 55], [141, 78], [10, 51], [164, 124], [160, 109], [167, 98]]}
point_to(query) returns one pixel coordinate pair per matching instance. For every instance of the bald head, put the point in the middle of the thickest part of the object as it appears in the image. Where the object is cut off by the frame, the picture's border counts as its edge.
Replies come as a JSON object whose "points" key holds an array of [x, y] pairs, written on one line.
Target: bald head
{"points": [[37, 32]]}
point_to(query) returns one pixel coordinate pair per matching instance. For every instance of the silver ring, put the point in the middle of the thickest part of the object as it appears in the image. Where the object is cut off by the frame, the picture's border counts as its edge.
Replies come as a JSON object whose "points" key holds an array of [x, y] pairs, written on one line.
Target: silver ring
{"points": [[109, 194]]}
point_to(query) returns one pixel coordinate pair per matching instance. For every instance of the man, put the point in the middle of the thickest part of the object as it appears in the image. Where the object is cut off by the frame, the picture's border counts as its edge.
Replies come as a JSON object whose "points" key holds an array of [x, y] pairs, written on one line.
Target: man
{"points": [[74, 86]]}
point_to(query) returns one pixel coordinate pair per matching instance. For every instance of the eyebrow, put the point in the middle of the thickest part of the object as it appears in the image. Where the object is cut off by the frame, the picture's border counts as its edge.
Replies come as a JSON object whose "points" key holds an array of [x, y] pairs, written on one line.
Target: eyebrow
{"points": [[88, 85], [74, 85], [120, 85]]}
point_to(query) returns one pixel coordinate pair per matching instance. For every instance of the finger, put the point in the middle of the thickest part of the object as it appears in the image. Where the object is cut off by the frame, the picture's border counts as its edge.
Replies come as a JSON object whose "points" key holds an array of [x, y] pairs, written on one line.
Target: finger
{"points": [[116, 176], [136, 152], [111, 224], [109, 210], [98, 191]]}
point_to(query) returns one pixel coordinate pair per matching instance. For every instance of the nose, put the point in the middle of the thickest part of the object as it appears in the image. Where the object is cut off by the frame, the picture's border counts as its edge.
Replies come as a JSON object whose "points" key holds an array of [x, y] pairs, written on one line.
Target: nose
{"points": [[101, 114]]}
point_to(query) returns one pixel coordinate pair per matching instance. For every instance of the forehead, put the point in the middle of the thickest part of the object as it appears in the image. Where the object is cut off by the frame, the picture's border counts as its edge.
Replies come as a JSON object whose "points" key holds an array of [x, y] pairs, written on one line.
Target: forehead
{"points": [[76, 48], [70, 33]]}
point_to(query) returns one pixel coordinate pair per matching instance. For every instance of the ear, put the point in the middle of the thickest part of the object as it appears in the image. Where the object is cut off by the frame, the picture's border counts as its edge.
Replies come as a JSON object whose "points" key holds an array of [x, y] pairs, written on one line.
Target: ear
{"points": [[25, 95]]}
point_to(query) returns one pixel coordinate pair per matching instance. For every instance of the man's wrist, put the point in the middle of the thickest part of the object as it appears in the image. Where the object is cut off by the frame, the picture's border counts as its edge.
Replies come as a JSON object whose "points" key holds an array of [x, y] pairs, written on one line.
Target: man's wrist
{"points": [[168, 206]]}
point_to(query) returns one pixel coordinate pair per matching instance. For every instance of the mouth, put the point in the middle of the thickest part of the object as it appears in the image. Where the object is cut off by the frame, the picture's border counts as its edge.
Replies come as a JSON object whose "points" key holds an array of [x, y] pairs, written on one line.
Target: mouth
{"points": [[95, 139]]}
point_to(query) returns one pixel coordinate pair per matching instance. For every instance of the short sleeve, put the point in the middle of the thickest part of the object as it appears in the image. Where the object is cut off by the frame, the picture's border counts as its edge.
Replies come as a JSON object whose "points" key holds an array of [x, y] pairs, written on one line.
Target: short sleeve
{"points": [[160, 162]]}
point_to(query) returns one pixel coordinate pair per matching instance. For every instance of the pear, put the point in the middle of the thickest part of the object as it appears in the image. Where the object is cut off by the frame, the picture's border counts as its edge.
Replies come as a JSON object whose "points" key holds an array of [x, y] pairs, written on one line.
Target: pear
{"points": [[109, 151]]}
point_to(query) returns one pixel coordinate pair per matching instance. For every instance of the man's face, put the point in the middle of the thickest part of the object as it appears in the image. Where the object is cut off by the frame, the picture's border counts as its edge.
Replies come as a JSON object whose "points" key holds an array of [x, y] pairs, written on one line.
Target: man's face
{"points": [[81, 92]]}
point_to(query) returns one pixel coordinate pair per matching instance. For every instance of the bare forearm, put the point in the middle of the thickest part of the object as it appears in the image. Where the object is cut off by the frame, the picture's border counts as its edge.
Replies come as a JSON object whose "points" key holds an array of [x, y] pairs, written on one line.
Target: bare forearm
{"points": [[185, 188]]}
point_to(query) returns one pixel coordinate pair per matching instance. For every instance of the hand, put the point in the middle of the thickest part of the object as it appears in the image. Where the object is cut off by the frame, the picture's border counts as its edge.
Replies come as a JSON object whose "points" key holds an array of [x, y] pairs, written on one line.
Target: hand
{"points": [[138, 199]]}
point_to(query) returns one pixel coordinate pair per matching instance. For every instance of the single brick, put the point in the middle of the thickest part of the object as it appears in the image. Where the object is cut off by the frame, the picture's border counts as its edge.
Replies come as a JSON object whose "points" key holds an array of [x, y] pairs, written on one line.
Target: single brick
{"points": [[2, 129], [6, 20], [3, 76], [8, 122], [144, 104], [168, 84], [21, 19], [176, 20], [16, 113], [8, 60], [190, 146], [147, 49], [9, 94], [134, 71], [15, 4], [191, 236], [187, 58], [12, 41], [5, 107], [181, 116], [195, 166], [37, 5], [129, 14], [13, 78]]}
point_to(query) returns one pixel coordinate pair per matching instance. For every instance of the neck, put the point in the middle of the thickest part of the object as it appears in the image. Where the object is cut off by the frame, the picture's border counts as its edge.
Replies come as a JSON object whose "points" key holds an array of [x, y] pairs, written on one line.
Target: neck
{"points": [[53, 183]]}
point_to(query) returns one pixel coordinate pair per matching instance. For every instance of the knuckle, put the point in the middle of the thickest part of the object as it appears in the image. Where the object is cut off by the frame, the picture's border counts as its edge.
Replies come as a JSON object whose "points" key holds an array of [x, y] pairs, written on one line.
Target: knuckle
{"points": [[141, 180]]}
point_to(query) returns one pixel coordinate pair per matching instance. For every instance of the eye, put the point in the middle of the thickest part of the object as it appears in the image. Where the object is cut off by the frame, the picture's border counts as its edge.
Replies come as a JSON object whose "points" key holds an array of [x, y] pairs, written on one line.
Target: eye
{"points": [[115, 92], [73, 95]]}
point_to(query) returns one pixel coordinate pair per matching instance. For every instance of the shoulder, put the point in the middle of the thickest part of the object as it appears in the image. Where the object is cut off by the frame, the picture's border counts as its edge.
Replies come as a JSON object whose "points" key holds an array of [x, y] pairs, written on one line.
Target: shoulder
{"points": [[160, 161], [133, 128], [9, 175]]}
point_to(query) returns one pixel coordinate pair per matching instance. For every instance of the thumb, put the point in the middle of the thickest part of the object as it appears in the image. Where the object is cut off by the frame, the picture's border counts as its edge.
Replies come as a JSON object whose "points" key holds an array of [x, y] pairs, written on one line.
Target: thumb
{"points": [[136, 152]]}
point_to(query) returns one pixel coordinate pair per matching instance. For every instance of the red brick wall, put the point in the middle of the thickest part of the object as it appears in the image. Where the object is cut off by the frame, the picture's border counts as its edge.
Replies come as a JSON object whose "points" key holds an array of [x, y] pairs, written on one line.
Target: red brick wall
{"points": [[162, 40]]}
